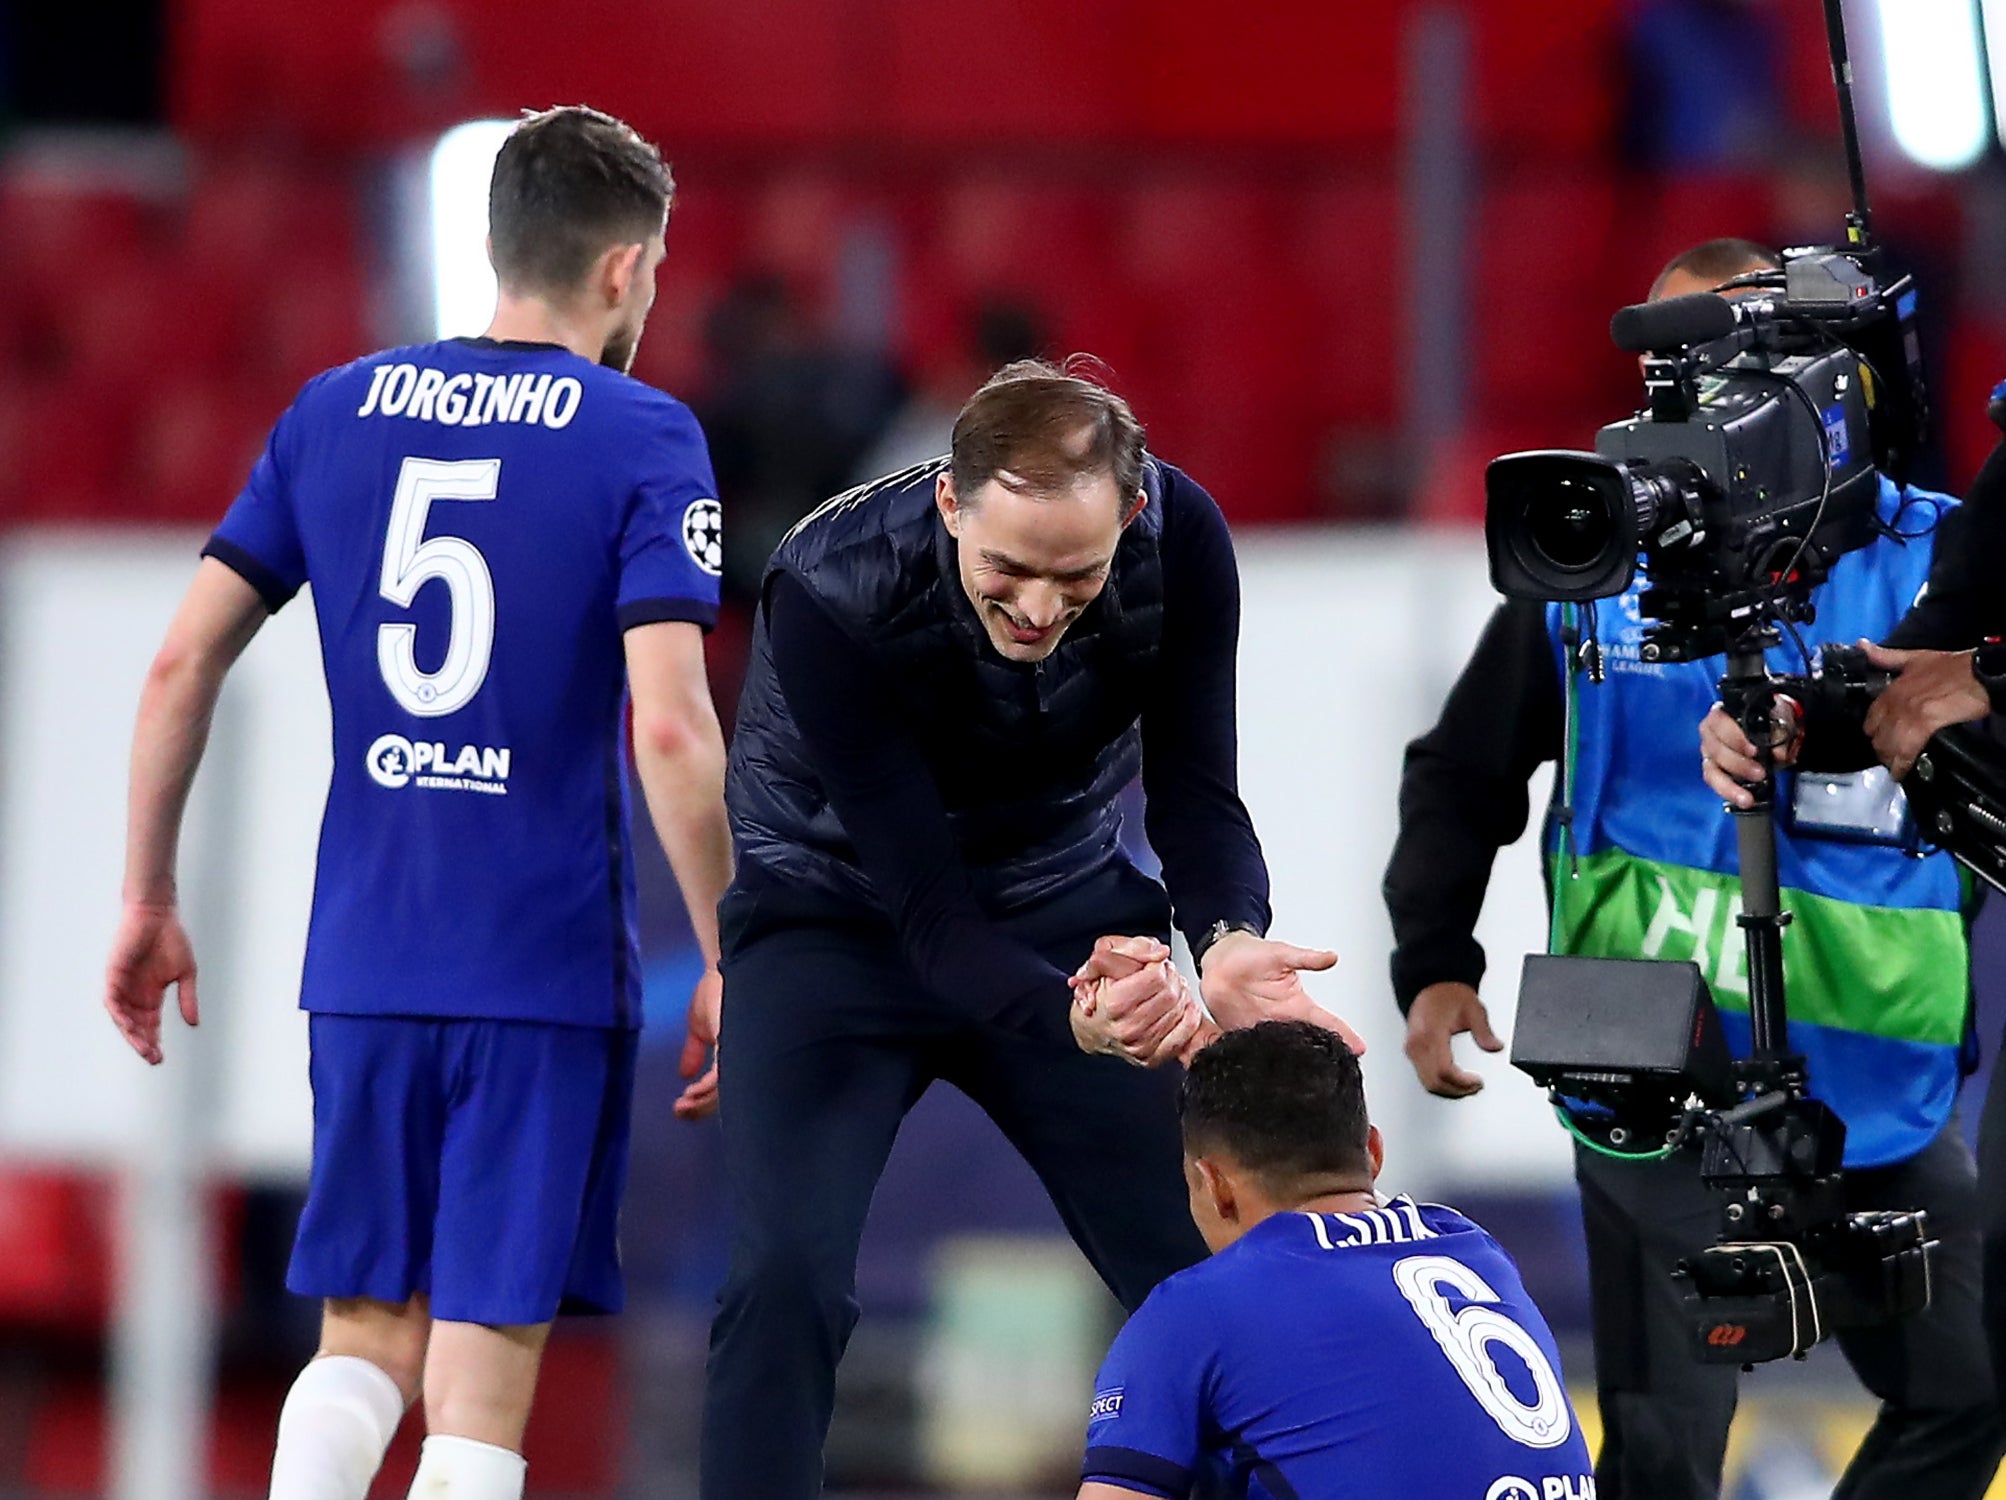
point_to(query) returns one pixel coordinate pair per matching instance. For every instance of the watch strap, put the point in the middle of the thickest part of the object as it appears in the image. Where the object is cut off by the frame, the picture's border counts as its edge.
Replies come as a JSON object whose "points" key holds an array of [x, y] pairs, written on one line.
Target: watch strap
{"points": [[1212, 935]]}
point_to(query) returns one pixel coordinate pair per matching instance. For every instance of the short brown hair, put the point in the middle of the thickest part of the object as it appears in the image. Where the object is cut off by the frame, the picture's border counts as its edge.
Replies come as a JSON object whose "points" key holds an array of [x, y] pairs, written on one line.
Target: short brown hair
{"points": [[568, 184], [1715, 261], [1040, 428]]}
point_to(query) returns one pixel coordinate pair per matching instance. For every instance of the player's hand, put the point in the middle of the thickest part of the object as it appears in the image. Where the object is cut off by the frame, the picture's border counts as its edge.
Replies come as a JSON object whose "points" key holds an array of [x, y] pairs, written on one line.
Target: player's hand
{"points": [[699, 1099], [150, 952], [1441, 1013], [1147, 1017], [1934, 690], [1728, 758], [1247, 979], [1117, 958]]}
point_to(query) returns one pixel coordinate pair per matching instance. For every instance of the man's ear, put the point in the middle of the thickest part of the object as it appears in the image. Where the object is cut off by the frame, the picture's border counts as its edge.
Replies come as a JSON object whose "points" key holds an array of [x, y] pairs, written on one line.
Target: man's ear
{"points": [[1218, 1188], [617, 269], [947, 504], [1375, 1150], [1141, 500]]}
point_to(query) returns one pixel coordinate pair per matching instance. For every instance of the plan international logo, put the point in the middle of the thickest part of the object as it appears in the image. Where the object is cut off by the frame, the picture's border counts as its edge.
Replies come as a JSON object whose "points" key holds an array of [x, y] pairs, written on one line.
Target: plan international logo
{"points": [[394, 762]]}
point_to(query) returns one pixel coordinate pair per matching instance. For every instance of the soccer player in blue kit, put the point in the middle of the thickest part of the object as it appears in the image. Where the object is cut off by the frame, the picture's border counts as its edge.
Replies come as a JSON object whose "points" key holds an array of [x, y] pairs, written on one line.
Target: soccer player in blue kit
{"points": [[1337, 1342], [505, 536]]}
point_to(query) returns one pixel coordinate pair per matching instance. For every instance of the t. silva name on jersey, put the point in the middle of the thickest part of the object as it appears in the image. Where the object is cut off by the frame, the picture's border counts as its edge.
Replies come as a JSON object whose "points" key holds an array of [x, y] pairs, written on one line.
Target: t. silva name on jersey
{"points": [[395, 762], [467, 400]]}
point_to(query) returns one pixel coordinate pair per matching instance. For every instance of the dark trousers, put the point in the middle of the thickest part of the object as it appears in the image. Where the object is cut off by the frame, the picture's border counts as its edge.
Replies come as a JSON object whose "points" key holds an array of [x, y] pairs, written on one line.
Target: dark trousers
{"points": [[827, 1043], [1665, 1416], [1992, 1203]]}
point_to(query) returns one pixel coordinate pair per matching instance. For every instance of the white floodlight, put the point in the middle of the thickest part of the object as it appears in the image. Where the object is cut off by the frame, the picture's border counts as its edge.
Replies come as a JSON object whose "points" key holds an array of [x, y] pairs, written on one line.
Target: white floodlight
{"points": [[1994, 14], [1935, 80], [463, 283]]}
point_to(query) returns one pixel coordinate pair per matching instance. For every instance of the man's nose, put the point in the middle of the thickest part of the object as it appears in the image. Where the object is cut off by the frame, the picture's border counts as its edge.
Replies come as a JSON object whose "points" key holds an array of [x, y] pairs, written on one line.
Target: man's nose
{"points": [[1042, 605]]}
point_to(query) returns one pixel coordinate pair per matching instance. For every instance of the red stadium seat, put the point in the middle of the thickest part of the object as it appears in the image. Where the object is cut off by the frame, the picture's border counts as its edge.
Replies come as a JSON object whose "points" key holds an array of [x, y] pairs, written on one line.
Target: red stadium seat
{"points": [[55, 1248], [196, 442], [1541, 292], [62, 447], [316, 321], [1345, 252]]}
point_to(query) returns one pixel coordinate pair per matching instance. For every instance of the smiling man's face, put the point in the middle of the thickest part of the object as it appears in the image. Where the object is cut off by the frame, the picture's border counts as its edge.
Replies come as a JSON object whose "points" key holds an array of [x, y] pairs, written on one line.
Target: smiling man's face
{"points": [[1031, 563]]}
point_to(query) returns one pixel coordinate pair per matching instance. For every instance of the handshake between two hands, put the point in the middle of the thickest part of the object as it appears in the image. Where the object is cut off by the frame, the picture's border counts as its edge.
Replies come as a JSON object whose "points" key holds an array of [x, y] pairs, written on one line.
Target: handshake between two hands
{"points": [[1130, 1001]]}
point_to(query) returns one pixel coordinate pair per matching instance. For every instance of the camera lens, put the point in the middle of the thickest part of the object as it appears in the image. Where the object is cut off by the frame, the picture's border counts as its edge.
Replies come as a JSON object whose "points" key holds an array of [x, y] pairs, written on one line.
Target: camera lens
{"points": [[1568, 525], [1559, 525]]}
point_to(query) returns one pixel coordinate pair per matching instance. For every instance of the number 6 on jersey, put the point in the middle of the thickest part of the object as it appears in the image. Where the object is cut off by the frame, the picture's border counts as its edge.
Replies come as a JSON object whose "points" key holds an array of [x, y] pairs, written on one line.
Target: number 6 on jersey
{"points": [[409, 561], [1466, 1337]]}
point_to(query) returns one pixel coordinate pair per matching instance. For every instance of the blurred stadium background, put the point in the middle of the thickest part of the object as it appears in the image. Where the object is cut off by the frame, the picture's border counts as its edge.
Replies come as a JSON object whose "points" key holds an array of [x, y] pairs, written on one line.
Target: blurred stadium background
{"points": [[1338, 256]]}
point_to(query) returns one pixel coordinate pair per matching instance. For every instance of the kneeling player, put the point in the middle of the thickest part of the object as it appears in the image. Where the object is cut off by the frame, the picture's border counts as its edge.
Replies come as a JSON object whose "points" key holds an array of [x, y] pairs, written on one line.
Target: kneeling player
{"points": [[1336, 1343]]}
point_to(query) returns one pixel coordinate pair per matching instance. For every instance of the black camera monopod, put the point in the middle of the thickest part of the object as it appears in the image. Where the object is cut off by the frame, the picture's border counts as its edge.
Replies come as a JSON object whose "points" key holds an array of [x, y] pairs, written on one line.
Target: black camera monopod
{"points": [[1793, 1265]]}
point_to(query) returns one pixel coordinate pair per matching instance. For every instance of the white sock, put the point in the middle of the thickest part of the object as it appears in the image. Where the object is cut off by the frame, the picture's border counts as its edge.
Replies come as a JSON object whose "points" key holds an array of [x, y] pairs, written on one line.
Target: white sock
{"points": [[457, 1468], [338, 1418]]}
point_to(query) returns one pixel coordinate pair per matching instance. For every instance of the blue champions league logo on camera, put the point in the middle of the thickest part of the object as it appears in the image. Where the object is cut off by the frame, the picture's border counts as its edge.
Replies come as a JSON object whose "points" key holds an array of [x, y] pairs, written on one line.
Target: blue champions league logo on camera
{"points": [[1838, 444]]}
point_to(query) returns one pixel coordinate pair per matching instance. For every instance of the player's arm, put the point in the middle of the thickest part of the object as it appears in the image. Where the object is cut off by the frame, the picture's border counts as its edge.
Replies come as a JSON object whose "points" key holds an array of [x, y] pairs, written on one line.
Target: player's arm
{"points": [[1462, 798], [1152, 1402], [1196, 822], [216, 620], [679, 756], [670, 559]]}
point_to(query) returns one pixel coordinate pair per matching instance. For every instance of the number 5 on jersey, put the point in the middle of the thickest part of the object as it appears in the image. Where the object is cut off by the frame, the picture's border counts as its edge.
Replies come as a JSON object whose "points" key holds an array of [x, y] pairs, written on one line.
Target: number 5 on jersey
{"points": [[410, 560]]}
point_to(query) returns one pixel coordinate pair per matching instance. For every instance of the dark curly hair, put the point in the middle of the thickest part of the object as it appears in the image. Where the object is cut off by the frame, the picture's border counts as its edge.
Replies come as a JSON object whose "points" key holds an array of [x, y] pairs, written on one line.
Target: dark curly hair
{"points": [[1284, 1099]]}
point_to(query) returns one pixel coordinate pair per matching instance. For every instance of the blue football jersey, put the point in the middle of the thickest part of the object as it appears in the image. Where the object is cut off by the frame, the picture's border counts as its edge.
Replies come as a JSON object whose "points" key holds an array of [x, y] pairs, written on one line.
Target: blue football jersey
{"points": [[1392, 1353], [480, 522]]}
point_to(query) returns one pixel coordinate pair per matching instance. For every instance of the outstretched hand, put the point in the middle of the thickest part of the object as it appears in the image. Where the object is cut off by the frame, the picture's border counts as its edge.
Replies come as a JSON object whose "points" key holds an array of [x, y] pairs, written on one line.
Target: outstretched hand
{"points": [[150, 952], [698, 1100], [1247, 980]]}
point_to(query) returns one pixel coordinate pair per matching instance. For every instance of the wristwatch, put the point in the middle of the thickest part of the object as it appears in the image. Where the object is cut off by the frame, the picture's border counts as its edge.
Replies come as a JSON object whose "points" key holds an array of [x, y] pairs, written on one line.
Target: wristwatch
{"points": [[1212, 935], [1988, 665]]}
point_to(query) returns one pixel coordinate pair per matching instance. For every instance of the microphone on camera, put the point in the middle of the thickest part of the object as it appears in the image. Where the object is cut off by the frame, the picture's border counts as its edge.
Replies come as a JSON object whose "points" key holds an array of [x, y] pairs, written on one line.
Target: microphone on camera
{"points": [[1675, 323]]}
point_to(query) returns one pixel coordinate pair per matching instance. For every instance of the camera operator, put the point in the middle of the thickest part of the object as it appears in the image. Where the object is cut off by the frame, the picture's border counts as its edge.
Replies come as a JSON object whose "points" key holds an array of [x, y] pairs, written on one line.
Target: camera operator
{"points": [[1879, 982]]}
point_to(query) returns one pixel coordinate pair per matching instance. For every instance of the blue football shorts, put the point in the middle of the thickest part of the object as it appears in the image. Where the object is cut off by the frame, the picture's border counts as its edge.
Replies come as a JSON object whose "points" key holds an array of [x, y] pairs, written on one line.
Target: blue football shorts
{"points": [[480, 1162]]}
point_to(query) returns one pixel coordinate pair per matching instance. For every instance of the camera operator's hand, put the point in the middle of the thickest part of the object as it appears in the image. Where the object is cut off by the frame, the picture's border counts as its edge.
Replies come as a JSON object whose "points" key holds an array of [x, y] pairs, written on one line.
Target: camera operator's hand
{"points": [[1934, 689], [1441, 1013], [1247, 979], [1728, 758], [1130, 1001]]}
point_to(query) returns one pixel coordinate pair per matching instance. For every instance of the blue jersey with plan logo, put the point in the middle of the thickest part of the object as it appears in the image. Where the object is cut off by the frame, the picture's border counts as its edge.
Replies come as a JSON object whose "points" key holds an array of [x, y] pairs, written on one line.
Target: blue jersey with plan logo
{"points": [[480, 522], [1392, 1353]]}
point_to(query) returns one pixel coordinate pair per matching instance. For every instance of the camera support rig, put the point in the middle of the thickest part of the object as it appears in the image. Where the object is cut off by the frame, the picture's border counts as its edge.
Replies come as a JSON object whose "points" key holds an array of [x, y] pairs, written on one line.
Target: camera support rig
{"points": [[1792, 1264]]}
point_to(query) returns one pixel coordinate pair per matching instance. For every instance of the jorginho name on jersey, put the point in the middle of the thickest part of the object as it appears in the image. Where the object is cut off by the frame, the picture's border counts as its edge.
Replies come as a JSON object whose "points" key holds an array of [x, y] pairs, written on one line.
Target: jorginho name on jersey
{"points": [[1392, 1353], [480, 523]]}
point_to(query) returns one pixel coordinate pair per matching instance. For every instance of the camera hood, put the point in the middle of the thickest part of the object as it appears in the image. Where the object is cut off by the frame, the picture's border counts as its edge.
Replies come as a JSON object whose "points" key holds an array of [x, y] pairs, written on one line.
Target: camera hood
{"points": [[1560, 525]]}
